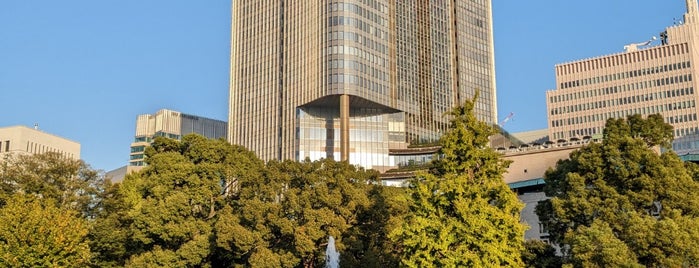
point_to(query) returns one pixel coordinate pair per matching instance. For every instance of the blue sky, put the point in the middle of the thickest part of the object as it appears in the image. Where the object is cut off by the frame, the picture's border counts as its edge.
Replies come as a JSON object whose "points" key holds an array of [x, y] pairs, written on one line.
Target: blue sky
{"points": [[84, 69]]}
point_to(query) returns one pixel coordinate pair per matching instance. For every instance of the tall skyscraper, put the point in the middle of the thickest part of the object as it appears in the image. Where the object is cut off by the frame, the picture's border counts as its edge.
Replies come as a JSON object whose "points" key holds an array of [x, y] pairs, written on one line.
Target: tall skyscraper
{"points": [[355, 79], [170, 124], [646, 78]]}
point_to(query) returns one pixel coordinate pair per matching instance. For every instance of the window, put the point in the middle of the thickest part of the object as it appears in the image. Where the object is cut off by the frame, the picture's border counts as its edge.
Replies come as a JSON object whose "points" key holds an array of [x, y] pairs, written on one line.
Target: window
{"points": [[7, 146]]}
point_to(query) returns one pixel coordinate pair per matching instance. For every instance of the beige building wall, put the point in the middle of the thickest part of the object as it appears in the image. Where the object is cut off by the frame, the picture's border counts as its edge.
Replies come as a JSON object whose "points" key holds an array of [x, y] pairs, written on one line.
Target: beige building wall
{"points": [[531, 164], [21, 139], [642, 80], [393, 63]]}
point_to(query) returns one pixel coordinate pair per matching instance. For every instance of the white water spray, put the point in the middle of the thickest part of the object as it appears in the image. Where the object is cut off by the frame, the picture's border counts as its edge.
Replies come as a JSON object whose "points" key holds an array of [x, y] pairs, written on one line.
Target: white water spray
{"points": [[332, 257]]}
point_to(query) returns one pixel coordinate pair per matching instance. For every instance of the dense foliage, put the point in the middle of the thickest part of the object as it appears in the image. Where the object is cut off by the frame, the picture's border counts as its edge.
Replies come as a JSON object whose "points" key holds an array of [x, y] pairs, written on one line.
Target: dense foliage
{"points": [[70, 183], [621, 203], [35, 232], [207, 203], [203, 202], [540, 254], [45, 203], [463, 213]]}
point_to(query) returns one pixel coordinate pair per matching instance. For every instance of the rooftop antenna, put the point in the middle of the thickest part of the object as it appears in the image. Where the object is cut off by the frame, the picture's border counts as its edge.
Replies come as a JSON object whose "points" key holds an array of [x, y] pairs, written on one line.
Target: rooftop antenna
{"points": [[635, 46]]}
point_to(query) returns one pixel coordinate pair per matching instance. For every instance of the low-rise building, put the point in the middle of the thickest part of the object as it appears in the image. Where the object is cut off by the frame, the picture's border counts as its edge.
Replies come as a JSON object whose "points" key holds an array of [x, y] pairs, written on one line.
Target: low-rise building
{"points": [[26, 140]]}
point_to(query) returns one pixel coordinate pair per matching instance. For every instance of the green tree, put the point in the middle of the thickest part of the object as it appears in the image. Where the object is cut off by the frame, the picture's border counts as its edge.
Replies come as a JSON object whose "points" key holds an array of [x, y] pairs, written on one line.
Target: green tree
{"points": [[368, 243], [34, 232], [165, 214], [540, 254], [623, 191], [70, 182], [285, 218], [463, 214], [597, 246]]}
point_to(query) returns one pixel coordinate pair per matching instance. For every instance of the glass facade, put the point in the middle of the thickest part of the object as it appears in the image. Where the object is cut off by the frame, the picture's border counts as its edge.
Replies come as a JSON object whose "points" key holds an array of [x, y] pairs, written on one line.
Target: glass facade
{"points": [[401, 64], [372, 132]]}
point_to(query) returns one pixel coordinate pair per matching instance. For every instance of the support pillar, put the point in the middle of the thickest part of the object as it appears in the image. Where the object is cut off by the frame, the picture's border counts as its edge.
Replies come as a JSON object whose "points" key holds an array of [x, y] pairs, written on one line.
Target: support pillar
{"points": [[344, 127]]}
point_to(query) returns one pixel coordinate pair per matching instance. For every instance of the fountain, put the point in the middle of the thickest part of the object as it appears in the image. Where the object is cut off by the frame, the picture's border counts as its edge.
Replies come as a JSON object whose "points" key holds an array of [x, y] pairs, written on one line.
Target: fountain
{"points": [[332, 257]]}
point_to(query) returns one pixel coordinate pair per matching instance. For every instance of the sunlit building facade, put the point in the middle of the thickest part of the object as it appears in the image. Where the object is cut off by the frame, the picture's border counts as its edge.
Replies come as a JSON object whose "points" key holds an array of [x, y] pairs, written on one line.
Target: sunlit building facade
{"points": [[170, 124], [355, 79], [26, 140], [647, 78]]}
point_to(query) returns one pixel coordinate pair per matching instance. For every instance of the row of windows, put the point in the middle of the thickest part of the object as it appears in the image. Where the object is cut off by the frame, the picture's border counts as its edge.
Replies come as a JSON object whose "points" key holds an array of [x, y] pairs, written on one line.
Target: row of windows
{"points": [[681, 118], [167, 135], [359, 24], [578, 132], [686, 144], [359, 10], [625, 75], [143, 139], [366, 135], [358, 38], [686, 131], [360, 67], [357, 80], [626, 58], [36, 148], [622, 113], [138, 149], [358, 52], [624, 100], [622, 88], [594, 130]]}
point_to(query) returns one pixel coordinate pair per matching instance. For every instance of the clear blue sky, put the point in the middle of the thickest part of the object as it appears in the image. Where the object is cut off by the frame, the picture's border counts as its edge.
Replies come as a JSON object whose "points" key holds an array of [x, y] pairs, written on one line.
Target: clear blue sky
{"points": [[84, 69]]}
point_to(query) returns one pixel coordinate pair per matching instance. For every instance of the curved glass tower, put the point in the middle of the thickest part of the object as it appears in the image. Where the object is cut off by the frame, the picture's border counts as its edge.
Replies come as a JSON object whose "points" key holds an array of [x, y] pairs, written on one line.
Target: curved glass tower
{"points": [[355, 79]]}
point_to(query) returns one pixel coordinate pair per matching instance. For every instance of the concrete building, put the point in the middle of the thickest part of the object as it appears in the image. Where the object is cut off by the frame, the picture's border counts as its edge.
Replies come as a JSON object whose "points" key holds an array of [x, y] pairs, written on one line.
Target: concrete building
{"points": [[25, 140], [645, 79], [170, 124], [525, 176], [355, 79]]}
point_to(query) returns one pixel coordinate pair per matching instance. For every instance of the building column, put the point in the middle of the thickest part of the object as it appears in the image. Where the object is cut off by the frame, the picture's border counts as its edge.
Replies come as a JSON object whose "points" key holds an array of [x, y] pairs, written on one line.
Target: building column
{"points": [[344, 127]]}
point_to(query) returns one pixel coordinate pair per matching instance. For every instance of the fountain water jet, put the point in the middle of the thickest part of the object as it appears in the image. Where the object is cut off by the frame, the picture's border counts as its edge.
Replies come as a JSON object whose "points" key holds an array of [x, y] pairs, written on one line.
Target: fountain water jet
{"points": [[332, 257]]}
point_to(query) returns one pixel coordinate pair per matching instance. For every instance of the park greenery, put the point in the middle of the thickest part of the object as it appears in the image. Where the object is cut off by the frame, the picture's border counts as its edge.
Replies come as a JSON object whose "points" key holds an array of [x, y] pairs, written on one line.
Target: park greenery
{"points": [[207, 203], [621, 203]]}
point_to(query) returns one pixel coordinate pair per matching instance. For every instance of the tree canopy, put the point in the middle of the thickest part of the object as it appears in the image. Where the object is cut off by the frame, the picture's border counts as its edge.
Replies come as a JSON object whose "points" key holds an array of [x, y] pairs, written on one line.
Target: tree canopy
{"points": [[69, 182], [621, 200], [462, 213], [34, 232], [46, 204], [203, 202], [165, 214]]}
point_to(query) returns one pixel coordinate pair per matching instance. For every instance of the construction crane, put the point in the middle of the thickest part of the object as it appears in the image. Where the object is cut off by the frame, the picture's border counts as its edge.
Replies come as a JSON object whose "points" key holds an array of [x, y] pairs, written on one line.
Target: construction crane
{"points": [[507, 118]]}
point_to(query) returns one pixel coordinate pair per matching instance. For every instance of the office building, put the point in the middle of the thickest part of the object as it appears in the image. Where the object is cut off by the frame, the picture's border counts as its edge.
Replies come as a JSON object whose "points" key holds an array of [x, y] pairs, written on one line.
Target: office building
{"points": [[170, 124], [354, 80], [25, 140], [657, 76]]}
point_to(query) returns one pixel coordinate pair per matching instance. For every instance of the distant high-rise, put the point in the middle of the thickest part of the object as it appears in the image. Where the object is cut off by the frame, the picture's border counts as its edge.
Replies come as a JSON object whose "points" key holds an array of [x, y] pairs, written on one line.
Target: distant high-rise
{"points": [[644, 79], [170, 124], [354, 79]]}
